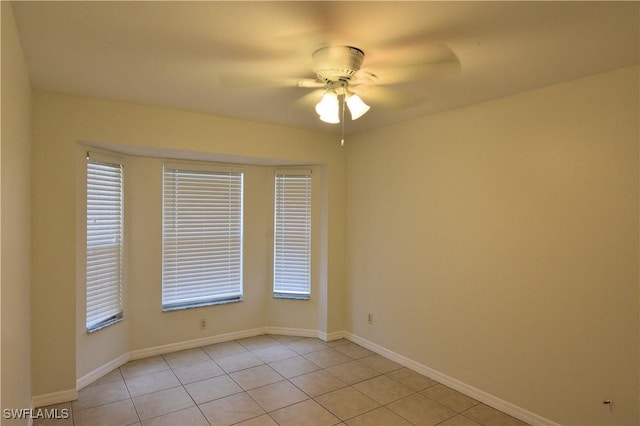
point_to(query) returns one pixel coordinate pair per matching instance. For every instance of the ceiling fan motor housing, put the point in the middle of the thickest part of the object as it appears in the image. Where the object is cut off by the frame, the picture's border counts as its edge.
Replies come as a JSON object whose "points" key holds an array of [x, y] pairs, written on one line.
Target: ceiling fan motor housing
{"points": [[337, 63]]}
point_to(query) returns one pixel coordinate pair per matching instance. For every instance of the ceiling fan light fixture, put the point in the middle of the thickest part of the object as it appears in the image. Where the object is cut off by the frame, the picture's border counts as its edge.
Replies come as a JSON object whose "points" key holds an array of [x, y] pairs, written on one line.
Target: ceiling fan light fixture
{"points": [[329, 108], [357, 107], [331, 119]]}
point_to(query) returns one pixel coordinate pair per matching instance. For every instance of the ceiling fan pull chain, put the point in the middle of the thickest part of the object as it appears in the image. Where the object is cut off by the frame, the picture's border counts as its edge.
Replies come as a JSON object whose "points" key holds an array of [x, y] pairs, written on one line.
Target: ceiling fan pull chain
{"points": [[342, 122]]}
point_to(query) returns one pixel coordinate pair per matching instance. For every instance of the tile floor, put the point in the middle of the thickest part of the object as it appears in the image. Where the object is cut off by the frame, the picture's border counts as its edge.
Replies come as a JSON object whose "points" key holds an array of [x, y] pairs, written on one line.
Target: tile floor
{"points": [[273, 380]]}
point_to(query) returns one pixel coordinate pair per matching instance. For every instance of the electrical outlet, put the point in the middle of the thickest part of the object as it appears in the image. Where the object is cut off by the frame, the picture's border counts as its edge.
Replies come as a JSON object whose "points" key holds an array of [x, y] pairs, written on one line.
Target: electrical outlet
{"points": [[370, 319], [203, 324]]}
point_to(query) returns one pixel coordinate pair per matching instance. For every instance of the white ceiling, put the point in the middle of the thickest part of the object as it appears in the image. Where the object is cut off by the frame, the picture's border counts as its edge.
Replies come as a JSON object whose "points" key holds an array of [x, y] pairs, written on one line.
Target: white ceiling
{"points": [[171, 54]]}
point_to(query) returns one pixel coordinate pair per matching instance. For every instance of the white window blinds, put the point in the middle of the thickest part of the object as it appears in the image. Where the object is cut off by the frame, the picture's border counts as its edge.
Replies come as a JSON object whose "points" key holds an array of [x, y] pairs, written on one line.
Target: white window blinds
{"points": [[202, 237], [292, 235], [104, 241]]}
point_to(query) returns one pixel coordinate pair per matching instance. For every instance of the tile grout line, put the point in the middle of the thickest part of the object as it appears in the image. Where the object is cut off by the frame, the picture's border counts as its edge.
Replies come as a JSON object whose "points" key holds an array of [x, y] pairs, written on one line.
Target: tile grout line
{"points": [[185, 390], [135, 408]]}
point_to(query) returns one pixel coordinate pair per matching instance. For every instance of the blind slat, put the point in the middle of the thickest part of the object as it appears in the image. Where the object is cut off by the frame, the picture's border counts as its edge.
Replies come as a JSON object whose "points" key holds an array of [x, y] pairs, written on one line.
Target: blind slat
{"points": [[292, 236], [104, 243], [202, 237]]}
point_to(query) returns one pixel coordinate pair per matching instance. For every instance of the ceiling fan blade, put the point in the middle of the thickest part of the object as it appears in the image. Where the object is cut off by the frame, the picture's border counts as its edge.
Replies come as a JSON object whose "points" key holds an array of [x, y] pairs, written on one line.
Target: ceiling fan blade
{"points": [[310, 83], [408, 73], [383, 97], [411, 63], [411, 53], [317, 24], [235, 80], [308, 101]]}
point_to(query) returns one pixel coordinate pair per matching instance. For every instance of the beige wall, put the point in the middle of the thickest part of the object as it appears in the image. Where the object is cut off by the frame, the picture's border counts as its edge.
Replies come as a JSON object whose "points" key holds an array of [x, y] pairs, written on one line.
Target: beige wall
{"points": [[15, 149], [60, 122], [498, 244]]}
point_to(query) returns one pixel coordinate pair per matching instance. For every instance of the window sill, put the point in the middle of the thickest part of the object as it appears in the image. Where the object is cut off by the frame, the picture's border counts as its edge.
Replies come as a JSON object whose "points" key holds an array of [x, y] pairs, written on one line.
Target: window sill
{"points": [[105, 324], [180, 307], [291, 296]]}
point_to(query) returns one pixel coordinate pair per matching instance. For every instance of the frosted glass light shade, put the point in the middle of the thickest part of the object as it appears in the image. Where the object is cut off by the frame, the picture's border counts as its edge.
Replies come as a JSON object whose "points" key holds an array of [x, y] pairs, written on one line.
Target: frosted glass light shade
{"points": [[356, 106], [329, 108]]}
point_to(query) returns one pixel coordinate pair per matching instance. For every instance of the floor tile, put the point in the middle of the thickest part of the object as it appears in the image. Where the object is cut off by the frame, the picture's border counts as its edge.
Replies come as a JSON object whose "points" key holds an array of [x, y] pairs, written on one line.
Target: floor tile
{"points": [[214, 388], [449, 397], [187, 417], [346, 403], [277, 395], [337, 342], [327, 357], [257, 342], [92, 396], [489, 416], [459, 420], [353, 350], [352, 372], [231, 409], [144, 366], [380, 363], [274, 353], [317, 383], [186, 357], [61, 411], [421, 410], [256, 376], [224, 349], [281, 338], [200, 371], [113, 414], [162, 402], [113, 376], [263, 420], [271, 380], [152, 382], [383, 389], [307, 345], [379, 416], [305, 413], [411, 379], [292, 367], [238, 362]]}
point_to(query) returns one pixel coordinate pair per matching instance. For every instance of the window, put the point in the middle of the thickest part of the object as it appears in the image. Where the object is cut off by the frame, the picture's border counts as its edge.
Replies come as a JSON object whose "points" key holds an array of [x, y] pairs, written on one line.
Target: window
{"points": [[201, 237], [104, 241], [292, 235]]}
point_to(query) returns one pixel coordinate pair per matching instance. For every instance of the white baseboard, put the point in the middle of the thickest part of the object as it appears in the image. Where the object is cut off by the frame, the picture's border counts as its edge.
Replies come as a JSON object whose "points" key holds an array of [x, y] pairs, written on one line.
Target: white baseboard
{"points": [[475, 393], [306, 332], [196, 343], [87, 379], [288, 331], [335, 335], [54, 398], [189, 344]]}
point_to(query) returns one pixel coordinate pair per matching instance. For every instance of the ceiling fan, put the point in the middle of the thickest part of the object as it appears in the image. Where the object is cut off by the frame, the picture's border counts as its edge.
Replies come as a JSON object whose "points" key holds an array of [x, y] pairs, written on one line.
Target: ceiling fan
{"points": [[336, 68], [341, 77]]}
